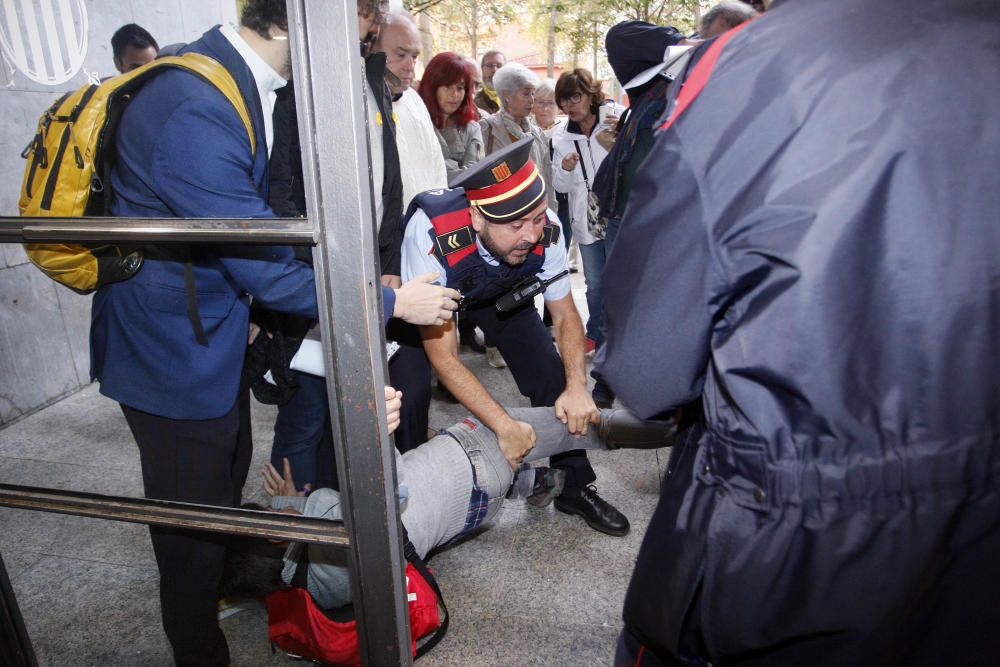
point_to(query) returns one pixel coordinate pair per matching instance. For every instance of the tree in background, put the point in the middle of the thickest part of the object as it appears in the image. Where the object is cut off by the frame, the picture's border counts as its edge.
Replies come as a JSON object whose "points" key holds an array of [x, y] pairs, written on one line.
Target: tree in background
{"points": [[460, 25], [571, 33]]}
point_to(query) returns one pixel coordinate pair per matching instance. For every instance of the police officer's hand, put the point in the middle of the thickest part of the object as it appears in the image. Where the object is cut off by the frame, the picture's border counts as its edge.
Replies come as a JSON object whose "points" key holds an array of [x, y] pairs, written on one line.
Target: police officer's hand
{"points": [[570, 161], [516, 440], [422, 303], [575, 407]]}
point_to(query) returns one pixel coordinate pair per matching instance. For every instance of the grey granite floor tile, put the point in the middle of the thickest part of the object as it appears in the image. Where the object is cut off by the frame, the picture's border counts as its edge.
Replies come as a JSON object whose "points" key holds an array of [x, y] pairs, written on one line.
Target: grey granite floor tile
{"points": [[514, 639], [246, 634], [18, 561], [71, 476], [85, 613], [85, 429], [75, 537]]}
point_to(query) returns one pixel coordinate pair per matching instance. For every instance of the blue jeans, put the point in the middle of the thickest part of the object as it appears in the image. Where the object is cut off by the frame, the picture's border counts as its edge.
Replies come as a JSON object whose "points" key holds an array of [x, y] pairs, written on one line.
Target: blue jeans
{"points": [[593, 256], [601, 390]]}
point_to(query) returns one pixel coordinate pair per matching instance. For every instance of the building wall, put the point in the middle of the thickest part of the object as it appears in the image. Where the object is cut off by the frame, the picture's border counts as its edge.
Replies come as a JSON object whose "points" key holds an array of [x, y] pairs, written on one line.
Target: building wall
{"points": [[43, 326]]}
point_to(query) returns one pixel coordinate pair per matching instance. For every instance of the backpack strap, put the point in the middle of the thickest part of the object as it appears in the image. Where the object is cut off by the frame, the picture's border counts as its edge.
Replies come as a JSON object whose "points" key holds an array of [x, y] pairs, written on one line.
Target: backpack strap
{"points": [[211, 70], [301, 577], [214, 72], [418, 563], [694, 84]]}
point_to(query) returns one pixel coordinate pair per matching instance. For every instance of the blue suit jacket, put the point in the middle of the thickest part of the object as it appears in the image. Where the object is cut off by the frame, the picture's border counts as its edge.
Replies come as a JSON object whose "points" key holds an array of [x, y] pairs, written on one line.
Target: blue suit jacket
{"points": [[183, 152]]}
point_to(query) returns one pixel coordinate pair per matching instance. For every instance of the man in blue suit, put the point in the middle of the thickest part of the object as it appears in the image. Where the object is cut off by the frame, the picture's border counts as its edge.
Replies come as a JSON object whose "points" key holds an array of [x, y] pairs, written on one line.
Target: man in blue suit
{"points": [[169, 343]]}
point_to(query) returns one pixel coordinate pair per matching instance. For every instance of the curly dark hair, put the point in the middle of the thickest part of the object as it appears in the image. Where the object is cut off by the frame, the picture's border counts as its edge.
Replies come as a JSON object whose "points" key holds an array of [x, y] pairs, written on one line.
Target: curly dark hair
{"points": [[260, 15]]}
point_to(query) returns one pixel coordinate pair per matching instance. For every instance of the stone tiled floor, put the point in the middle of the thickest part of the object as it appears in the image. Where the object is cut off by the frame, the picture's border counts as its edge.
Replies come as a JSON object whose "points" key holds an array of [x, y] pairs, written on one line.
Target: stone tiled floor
{"points": [[536, 588]]}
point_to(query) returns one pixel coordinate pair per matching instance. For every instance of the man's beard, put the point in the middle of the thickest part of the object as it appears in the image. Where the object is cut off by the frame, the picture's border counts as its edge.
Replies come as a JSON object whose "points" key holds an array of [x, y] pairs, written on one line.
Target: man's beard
{"points": [[505, 257]]}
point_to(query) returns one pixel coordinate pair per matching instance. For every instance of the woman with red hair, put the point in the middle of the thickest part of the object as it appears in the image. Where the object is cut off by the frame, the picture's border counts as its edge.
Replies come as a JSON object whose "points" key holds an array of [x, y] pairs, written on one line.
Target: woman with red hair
{"points": [[446, 89]]}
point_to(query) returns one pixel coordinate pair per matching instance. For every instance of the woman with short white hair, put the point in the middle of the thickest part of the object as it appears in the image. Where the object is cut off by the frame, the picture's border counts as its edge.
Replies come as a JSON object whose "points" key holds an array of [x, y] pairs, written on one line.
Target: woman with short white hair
{"points": [[545, 109], [516, 84]]}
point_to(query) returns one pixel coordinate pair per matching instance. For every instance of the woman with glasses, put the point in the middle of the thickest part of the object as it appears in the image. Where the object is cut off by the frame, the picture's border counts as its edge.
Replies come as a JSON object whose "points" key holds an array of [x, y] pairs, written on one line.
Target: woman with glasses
{"points": [[446, 89], [579, 147]]}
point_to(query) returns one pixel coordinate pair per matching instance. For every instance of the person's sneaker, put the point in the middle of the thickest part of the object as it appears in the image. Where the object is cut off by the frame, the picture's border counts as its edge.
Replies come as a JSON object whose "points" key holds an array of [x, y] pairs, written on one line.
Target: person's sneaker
{"points": [[549, 484], [589, 346], [494, 357], [234, 605], [597, 512]]}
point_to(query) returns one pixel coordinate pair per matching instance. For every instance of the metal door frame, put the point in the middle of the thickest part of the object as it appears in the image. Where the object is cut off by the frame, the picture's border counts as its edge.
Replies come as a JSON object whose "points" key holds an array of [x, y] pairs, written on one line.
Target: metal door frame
{"points": [[332, 113]]}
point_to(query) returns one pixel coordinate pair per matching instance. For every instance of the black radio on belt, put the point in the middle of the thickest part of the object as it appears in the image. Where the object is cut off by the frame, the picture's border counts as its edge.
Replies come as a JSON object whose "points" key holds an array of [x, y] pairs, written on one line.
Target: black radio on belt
{"points": [[524, 291]]}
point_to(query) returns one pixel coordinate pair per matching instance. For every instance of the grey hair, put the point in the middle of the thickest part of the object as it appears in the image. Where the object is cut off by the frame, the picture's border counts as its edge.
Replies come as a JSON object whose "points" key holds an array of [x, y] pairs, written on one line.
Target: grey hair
{"points": [[546, 87], [397, 17], [732, 13], [512, 77]]}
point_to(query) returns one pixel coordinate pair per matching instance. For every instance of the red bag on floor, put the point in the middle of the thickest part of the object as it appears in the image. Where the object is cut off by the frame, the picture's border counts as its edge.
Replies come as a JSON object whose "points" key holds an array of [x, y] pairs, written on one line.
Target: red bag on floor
{"points": [[296, 625]]}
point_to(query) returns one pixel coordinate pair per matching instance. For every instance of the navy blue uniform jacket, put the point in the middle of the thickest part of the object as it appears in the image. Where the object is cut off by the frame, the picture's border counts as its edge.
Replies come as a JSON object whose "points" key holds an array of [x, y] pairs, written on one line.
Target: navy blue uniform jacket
{"points": [[812, 250], [183, 152]]}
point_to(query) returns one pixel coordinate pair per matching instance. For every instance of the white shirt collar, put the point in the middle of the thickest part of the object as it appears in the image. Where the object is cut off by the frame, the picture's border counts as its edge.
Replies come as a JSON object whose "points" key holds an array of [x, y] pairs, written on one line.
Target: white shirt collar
{"points": [[268, 81]]}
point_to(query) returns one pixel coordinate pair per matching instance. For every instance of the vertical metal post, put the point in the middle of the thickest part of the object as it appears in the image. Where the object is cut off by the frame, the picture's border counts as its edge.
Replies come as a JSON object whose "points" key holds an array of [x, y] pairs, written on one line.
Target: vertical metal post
{"points": [[15, 645], [336, 164]]}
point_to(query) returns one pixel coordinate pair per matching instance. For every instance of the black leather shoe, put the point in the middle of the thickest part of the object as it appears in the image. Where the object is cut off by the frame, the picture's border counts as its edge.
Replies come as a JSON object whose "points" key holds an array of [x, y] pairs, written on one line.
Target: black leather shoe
{"points": [[597, 512]]}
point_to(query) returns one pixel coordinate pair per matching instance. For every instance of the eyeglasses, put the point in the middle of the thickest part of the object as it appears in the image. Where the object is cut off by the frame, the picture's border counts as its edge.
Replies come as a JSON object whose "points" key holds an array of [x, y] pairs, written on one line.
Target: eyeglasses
{"points": [[572, 99], [546, 103]]}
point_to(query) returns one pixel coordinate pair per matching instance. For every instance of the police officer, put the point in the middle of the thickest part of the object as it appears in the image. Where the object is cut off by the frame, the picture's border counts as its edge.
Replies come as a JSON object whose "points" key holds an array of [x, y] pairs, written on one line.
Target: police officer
{"points": [[826, 263], [486, 235]]}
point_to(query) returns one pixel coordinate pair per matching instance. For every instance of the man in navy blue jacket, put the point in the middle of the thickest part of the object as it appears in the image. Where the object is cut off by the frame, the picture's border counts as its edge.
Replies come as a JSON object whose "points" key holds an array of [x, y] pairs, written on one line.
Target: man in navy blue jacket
{"points": [[184, 152], [813, 249]]}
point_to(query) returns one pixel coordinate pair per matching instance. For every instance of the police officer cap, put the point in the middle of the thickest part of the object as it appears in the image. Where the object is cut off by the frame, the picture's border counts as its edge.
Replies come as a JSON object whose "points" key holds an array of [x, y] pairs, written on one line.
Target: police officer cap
{"points": [[504, 186]]}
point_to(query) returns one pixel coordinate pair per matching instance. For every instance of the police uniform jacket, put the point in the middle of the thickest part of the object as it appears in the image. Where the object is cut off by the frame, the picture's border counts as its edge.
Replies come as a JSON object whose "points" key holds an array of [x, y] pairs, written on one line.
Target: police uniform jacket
{"points": [[821, 229]]}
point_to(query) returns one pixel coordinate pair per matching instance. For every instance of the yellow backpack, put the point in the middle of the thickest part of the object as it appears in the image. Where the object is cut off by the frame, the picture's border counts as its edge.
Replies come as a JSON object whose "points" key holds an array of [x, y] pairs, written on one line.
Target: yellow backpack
{"points": [[69, 163]]}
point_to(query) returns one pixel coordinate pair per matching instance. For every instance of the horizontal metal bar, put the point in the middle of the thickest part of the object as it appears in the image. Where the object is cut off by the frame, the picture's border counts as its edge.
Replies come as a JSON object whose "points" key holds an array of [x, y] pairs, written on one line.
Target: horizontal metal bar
{"points": [[177, 515], [284, 231]]}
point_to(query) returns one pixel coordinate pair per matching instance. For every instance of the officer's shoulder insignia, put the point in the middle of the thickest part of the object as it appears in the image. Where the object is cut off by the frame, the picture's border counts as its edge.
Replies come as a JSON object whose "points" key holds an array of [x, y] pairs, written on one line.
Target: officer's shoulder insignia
{"points": [[550, 235], [454, 240]]}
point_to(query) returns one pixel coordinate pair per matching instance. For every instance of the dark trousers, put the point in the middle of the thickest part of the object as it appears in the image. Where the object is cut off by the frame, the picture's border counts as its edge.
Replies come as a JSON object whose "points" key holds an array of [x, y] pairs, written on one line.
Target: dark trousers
{"points": [[303, 435], [410, 373], [527, 348], [198, 461]]}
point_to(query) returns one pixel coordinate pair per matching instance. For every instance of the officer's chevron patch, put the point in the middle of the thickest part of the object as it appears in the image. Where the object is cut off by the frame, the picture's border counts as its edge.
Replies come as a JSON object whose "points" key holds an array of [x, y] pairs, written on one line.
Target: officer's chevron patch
{"points": [[455, 240]]}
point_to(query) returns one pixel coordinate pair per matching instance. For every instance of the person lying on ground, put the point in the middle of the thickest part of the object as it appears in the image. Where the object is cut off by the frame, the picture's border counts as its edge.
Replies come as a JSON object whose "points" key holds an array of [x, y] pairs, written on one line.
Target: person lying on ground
{"points": [[448, 487]]}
